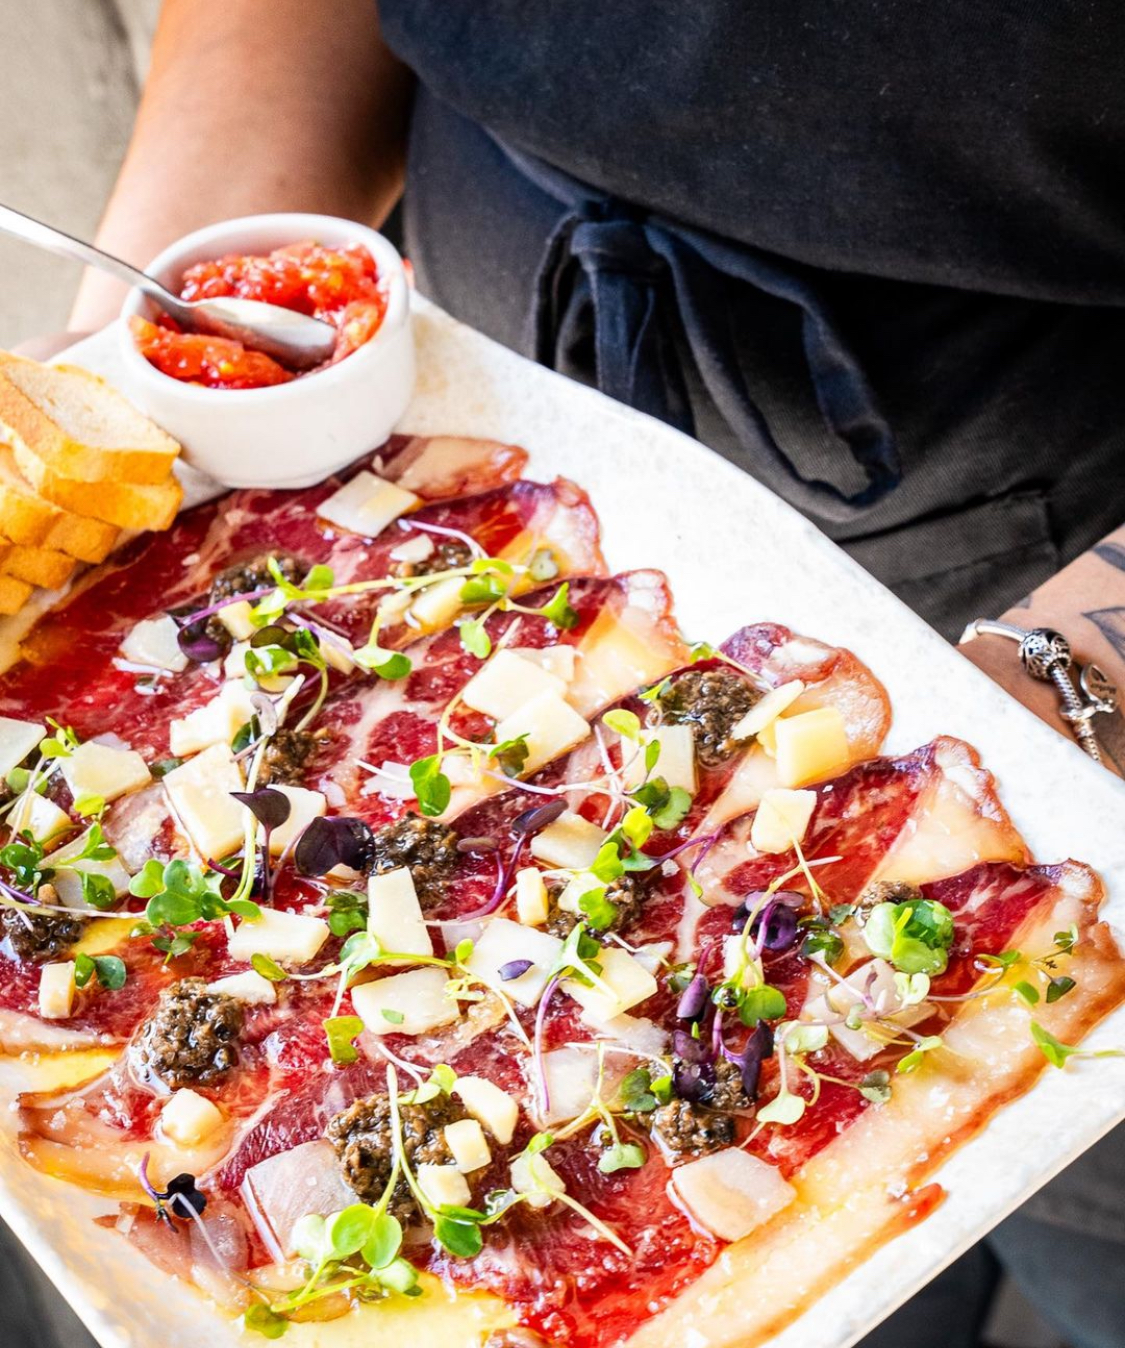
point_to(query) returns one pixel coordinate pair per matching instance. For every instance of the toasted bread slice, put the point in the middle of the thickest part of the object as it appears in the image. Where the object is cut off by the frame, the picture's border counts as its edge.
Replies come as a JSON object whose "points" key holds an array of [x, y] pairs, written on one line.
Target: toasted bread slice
{"points": [[79, 426], [126, 504], [13, 594], [38, 566], [28, 520]]}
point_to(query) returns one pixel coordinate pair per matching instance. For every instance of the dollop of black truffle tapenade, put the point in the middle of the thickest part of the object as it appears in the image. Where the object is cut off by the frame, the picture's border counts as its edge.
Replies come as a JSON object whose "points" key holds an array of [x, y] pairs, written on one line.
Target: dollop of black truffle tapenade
{"points": [[626, 894], [449, 554], [36, 937], [363, 1138], [682, 1128], [286, 756], [888, 891], [254, 574], [426, 846], [712, 702], [190, 1038]]}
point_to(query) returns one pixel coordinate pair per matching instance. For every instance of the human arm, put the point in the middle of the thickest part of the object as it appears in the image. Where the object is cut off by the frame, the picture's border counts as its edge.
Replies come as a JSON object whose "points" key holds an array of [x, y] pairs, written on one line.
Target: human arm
{"points": [[1086, 603], [264, 105]]}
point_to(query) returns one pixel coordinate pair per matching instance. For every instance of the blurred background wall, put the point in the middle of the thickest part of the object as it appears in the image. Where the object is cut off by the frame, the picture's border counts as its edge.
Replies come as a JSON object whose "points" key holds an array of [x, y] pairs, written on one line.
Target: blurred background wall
{"points": [[72, 73]]}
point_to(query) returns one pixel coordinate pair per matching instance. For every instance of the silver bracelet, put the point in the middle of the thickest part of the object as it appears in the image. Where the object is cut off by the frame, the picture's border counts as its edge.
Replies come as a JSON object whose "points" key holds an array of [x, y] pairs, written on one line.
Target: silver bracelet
{"points": [[1046, 656]]}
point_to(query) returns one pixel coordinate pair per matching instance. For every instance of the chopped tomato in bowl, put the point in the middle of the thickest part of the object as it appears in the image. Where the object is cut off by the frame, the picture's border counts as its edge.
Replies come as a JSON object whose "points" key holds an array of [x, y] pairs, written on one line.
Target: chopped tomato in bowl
{"points": [[341, 286]]}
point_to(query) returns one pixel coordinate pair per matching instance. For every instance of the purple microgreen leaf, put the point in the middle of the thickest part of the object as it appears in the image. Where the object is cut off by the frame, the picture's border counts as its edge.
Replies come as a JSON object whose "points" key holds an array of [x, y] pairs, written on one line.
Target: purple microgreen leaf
{"points": [[329, 842], [270, 807], [514, 969]]}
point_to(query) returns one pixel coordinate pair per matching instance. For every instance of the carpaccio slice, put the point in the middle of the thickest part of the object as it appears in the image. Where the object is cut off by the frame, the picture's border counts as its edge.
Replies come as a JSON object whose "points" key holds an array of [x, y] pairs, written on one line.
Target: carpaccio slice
{"points": [[72, 669]]}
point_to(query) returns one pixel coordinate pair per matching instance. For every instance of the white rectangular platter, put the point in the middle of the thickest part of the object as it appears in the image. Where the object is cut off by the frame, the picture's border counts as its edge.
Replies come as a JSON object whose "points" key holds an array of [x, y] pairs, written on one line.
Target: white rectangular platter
{"points": [[734, 554]]}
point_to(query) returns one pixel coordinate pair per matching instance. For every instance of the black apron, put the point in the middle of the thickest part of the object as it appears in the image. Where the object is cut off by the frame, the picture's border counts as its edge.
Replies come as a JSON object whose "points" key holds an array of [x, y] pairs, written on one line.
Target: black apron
{"points": [[874, 254]]}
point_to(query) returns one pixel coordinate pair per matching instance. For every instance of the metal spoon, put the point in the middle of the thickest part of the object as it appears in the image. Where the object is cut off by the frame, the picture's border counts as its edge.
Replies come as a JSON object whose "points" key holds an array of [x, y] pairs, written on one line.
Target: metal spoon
{"points": [[294, 339]]}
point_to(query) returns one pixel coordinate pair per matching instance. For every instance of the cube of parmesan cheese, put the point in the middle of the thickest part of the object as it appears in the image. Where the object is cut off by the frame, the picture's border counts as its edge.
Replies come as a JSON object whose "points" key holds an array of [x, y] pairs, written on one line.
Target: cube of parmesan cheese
{"points": [[154, 642], [467, 1145], [810, 746], [571, 842], [67, 877], [626, 982], [238, 619], [56, 990], [532, 900], [444, 1186], [288, 938], [409, 1003], [304, 807], [35, 814], [438, 604], [250, 987], [489, 1105], [17, 740], [394, 915], [504, 942], [556, 660], [200, 793], [533, 1175], [189, 1119], [767, 709], [675, 761], [100, 770], [506, 683], [367, 504], [572, 1077], [730, 1193], [216, 722], [234, 667], [781, 819], [551, 725]]}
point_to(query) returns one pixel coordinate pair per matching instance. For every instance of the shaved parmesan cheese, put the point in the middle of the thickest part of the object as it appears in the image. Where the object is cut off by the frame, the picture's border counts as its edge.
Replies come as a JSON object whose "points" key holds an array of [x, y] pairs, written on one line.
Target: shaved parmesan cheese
{"points": [[675, 762], [875, 980], [394, 915], [781, 819], [570, 900], [367, 504], [810, 746], [189, 1118], [238, 619], [556, 660], [467, 1145], [532, 902], [409, 1003], [572, 1077], [415, 549], [200, 793], [17, 740], [67, 877], [767, 709], [249, 987], [533, 1175], [155, 642], [730, 1193], [288, 938], [304, 807], [489, 1105], [35, 814], [282, 1189], [444, 1186], [216, 722], [97, 770], [571, 842], [626, 978], [503, 942], [56, 990], [338, 651], [506, 683], [551, 725]]}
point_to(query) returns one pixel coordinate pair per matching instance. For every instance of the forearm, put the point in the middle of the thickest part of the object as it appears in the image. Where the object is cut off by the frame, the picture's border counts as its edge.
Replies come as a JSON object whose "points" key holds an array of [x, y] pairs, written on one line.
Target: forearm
{"points": [[261, 105], [1086, 603]]}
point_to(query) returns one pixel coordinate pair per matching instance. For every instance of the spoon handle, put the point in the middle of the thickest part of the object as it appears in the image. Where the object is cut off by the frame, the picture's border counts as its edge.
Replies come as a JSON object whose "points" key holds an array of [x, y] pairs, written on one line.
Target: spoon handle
{"points": [[55, 241]]}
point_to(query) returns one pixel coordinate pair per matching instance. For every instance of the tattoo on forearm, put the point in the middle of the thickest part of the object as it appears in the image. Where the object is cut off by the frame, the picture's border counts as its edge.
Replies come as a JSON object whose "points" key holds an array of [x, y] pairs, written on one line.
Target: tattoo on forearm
{"points": [[1110, 622], [1113, 553]]}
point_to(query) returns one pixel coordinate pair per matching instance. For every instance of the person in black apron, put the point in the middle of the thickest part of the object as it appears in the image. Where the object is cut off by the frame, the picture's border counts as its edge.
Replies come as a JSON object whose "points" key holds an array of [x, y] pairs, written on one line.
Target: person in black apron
{"points": [[872, 254]]}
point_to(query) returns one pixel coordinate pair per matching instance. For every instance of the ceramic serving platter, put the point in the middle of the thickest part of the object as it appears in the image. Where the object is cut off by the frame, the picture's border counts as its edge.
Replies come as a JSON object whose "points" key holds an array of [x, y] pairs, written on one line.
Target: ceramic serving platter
{"points": [[734, 554]]}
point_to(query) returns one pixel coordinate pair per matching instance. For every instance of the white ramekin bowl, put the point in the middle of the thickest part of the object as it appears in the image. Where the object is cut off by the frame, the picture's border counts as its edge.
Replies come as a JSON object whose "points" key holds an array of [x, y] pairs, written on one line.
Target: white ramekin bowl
{"points": [[290, 435]]}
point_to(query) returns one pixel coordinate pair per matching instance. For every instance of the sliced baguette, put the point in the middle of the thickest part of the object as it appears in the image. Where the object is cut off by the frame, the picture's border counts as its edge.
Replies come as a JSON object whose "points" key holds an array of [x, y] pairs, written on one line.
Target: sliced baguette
{"points": [[79, 426], [126, 504], [28, 520], [46, 567], [13, 594]]}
